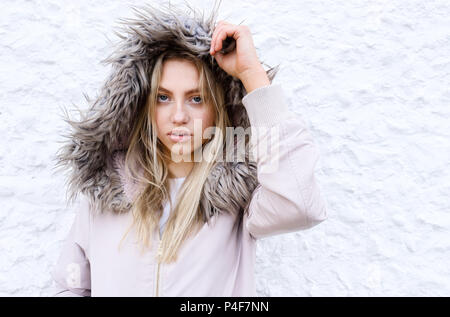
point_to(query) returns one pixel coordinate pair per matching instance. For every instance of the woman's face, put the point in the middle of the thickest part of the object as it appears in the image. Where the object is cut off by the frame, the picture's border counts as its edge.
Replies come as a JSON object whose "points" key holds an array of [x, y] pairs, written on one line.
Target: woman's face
{"points": [[181, 110]]}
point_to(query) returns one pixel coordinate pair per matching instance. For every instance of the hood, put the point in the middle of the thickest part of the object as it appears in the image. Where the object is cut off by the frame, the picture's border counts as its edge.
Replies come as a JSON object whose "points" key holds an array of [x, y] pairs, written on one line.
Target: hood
{"points": [[102, 132]]}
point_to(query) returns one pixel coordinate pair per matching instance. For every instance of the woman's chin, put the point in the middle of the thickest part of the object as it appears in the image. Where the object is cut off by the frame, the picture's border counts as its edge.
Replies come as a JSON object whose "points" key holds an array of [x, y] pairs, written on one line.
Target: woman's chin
{"points": [[181, 150]]}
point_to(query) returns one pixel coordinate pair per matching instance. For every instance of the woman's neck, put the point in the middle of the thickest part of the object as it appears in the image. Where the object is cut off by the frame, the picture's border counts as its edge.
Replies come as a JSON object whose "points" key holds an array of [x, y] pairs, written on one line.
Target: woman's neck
{"points": [[179, 166], [180, 169]]}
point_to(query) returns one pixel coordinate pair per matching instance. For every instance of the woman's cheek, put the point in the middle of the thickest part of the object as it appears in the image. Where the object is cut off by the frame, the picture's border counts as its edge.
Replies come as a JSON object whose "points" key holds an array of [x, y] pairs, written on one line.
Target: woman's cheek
{"points": [[160, 123]]}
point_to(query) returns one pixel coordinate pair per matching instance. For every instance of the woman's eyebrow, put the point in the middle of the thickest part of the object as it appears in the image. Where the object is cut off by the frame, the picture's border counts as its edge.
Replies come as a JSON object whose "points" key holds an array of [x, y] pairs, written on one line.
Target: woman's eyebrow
{"points": [[187, 92]]}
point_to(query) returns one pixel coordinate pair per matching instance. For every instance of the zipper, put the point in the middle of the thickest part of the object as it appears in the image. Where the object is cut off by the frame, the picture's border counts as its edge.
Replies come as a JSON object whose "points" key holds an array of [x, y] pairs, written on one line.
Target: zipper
{"points": [[158, 255]]}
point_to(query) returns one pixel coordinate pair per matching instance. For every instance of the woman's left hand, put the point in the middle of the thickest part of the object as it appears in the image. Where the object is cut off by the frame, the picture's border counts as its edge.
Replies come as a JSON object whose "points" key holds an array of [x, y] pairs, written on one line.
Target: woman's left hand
{"points": [[243, 61]]}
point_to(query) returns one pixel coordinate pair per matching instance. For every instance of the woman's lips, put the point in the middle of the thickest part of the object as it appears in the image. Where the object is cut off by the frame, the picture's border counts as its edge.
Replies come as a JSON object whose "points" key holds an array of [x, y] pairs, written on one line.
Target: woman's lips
{"points": [[179, 138]]}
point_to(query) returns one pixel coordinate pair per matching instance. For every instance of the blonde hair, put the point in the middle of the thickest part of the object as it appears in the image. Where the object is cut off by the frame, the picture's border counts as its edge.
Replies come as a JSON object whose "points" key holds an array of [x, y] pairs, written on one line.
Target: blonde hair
{"points": [[146, 153]]}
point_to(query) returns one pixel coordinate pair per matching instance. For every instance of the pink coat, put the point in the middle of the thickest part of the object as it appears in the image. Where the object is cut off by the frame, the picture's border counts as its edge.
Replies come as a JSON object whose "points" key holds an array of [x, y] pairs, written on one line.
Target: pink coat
{"points": [[220, 259]]}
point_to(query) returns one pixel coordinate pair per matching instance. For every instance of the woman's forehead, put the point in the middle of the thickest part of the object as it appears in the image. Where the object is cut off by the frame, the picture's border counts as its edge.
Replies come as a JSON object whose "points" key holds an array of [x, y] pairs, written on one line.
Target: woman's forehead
{"points": [[179, 74]]}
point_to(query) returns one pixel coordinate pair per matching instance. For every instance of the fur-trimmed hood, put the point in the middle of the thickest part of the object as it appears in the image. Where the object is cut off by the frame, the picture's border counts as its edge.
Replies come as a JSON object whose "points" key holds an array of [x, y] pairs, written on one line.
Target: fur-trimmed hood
{"points": [[102, 132]]}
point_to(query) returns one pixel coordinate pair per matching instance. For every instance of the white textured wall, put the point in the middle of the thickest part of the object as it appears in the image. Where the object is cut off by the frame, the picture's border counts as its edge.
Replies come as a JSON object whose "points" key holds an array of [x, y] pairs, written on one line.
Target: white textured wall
{"points": [[371, 79]]}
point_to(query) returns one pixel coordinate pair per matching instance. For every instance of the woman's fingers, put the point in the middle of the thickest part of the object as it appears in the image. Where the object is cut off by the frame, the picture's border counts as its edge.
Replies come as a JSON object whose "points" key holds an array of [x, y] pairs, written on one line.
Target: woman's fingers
{"points": [[216, 40], [224, 32]]}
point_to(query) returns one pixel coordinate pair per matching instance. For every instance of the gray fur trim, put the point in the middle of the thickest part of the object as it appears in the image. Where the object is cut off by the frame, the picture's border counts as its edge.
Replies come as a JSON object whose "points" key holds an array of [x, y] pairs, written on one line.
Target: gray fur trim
{"points": [[104, 127]]}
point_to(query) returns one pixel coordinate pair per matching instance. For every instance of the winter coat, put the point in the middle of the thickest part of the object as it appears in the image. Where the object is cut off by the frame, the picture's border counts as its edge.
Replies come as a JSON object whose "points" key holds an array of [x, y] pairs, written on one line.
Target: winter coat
{"points": [[246, 201]]}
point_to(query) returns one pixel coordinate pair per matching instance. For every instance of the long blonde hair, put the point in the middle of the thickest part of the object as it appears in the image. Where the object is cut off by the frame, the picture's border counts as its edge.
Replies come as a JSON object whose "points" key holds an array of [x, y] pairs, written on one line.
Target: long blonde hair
{"points": [[145, 162]]}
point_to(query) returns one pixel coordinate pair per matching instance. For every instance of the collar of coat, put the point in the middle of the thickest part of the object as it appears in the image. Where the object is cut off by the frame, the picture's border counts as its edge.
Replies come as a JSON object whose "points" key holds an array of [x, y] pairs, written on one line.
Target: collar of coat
{"points": [[101, 133]]}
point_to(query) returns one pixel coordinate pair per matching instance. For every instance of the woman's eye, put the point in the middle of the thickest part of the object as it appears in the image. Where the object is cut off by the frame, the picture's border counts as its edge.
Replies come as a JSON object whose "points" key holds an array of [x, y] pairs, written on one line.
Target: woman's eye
{"points": [[161, 96], [198, 100]]}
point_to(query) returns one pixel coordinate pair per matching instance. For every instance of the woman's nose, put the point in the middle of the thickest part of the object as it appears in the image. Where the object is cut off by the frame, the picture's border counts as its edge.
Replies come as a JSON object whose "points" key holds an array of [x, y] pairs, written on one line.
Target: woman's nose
{"points": [[180, 114]]}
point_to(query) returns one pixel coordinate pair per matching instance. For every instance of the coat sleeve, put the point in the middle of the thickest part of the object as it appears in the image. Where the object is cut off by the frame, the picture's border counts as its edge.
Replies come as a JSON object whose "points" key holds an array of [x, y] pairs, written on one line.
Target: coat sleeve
{"points": [[72, 270], [288, 197]]}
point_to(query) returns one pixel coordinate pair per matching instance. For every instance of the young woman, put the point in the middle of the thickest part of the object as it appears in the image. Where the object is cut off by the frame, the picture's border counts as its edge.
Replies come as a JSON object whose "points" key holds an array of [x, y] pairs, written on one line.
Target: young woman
{"points": [[187, 157]]}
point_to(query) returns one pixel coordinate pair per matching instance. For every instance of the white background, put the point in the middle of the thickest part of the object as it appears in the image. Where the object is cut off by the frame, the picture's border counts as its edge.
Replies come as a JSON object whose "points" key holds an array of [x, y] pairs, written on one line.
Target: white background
{"points": [[371, 78]]}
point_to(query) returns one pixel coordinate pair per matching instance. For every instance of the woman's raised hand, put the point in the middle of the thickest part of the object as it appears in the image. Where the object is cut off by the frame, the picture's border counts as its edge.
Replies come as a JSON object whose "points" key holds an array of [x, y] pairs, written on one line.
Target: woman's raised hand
{"points": [[242, 62]]}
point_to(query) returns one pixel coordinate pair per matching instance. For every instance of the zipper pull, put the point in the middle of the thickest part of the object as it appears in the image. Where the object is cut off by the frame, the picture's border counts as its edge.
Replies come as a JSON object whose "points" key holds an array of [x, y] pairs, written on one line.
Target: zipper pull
{"points": [[159, 253]]}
